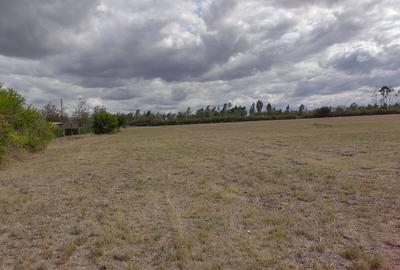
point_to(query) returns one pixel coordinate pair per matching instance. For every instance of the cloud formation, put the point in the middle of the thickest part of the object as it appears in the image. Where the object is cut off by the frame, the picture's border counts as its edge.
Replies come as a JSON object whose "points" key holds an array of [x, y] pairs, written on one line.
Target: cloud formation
{"points": [[167, 55]]}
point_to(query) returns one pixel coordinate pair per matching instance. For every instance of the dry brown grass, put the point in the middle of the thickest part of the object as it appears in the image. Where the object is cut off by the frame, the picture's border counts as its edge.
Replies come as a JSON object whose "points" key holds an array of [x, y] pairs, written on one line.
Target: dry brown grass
{"points": [[306, 194]]}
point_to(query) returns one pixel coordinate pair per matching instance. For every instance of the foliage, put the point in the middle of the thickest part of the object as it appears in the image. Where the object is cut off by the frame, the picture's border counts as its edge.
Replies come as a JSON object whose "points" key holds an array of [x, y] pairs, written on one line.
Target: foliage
{"points": [[258, 111], [301, 109], [323, 112], [21, 127], [121, 120], [52, 114], [104, 122], [35, 132], [82, 113], [6, 134], [11, 104]]}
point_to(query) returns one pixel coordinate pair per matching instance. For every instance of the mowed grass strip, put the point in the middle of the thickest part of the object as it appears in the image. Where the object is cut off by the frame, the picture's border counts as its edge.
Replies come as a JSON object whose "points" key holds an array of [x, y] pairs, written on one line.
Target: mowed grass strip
{"points": [[304, 194]]}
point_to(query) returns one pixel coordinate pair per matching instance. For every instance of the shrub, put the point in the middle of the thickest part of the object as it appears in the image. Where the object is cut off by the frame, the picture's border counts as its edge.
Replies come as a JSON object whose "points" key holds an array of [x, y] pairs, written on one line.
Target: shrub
{"points": [[323, 112], [11, 105], [5, 137], [34, 130], [20, 126], [104, 122]]}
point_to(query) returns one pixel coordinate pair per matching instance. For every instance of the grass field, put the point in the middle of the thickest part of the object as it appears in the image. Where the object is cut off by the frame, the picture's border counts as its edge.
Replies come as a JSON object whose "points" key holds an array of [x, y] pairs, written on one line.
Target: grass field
{"points": [[297, 194]]}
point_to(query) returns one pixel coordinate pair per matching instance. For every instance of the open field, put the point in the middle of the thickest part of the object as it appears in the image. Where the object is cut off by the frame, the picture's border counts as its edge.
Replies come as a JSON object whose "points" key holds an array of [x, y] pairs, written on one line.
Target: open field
{"points": [[305, 194]]}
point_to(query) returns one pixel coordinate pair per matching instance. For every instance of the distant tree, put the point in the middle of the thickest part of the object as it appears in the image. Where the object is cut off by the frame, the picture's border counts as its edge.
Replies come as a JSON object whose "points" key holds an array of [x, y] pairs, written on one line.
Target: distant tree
{"points": [[323, 112], [385, 92], [214, 112], [353, 106], [82, 112], [287, 109], [207, 112], [224, 108], [137, 114], [301, 109], [259, 106], [252, 109], [398, 94], [122, 119], [52, 113], [269, 108], [188, 112], [200, 112], [98, 109]]}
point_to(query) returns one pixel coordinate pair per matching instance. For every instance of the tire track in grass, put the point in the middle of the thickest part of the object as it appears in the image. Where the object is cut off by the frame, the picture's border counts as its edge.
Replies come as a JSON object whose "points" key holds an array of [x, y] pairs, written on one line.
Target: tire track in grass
{"points": [[181, 246]]}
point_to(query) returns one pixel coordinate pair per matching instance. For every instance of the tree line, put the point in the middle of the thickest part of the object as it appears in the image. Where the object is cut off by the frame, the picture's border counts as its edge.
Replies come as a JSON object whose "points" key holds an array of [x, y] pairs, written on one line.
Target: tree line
{"points": [[384, 101]]}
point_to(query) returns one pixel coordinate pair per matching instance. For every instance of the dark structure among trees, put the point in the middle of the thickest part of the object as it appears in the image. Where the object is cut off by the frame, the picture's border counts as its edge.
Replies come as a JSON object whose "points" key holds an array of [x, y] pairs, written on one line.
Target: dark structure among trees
{"points": [[71, 127]]}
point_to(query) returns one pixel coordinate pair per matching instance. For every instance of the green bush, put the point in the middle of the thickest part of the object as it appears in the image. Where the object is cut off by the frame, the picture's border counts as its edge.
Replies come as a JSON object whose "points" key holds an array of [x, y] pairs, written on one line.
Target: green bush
{"points": [[34, 130], [11, 105], [5, 137], [104, 122], [323, 112], [21, 127]]}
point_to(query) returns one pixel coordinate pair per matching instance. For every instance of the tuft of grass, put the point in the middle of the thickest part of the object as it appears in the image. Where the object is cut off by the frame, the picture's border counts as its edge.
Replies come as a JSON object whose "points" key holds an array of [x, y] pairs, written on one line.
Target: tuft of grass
{"points": [[279, 235], [376, 262], [274, 218], [123, 257], [328, 216], [97, 252], [363, 261], [75, 231], [305, 233], [351, 253], [305, 196]]}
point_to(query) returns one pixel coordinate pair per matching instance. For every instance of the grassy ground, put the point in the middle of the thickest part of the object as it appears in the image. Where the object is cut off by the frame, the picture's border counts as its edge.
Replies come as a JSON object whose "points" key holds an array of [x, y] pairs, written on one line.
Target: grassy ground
{"points": [[306, 194]]}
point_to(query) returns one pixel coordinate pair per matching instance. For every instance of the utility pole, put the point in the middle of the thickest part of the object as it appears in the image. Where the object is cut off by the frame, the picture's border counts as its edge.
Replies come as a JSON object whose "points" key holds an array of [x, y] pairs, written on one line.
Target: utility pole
{"points": [[62, 111]]}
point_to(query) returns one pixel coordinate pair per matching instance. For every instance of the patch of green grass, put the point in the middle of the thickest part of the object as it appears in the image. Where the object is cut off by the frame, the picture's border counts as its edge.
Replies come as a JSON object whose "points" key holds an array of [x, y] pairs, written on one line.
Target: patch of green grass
{"points": [[279, 235], [97, 252], [351, 253]]}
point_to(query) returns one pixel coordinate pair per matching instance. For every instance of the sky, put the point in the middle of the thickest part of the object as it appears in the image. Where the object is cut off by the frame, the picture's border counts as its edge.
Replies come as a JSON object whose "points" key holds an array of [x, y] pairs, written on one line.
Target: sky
{"points": [[166, 55]]}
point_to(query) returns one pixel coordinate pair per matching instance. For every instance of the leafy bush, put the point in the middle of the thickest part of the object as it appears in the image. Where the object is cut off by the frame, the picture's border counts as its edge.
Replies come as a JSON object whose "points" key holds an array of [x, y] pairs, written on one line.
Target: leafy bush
{"points": [[21, 127], [5, 137], [104, 122], [323, 112], [34, 130], [11, 105]]}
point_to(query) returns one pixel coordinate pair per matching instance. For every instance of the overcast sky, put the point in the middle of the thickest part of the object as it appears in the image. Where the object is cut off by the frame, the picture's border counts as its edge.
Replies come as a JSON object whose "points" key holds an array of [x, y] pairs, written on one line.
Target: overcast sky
{"points": [[166, 55]]}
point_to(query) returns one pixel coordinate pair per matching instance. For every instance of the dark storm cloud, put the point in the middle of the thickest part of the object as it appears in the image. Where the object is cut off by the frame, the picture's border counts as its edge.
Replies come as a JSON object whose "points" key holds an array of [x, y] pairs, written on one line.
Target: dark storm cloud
{"points": [[37, 28], [173, 54]]}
